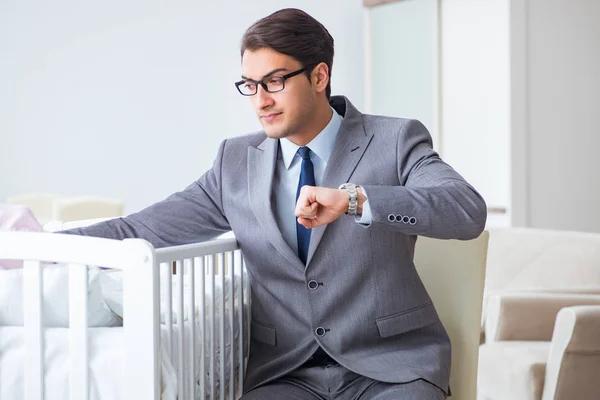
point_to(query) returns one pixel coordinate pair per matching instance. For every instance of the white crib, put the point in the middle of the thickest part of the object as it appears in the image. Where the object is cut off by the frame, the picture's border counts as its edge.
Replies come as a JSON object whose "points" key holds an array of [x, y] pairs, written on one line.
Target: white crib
{"points": [[147, 273]]}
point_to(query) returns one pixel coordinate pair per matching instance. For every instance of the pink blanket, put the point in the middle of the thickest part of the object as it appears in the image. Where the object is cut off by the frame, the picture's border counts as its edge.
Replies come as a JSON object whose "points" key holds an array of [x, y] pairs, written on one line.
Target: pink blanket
{"points": [[16, 218]]}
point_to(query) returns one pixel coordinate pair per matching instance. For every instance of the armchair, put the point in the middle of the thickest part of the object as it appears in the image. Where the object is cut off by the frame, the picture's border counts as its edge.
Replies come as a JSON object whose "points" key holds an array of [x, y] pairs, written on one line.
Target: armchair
{"points": [[541, 346]]}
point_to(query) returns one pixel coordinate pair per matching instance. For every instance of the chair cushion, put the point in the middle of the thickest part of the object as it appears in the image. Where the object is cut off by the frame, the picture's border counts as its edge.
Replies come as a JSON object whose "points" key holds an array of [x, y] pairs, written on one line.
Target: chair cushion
{"points": [[512, 370]]}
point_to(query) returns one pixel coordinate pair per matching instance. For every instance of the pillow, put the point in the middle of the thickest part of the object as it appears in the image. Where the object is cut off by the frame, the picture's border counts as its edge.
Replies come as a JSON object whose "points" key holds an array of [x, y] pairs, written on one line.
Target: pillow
{"points": [[111, 282], [17, 218], [56, 298], [209, 297], [112, 290]]}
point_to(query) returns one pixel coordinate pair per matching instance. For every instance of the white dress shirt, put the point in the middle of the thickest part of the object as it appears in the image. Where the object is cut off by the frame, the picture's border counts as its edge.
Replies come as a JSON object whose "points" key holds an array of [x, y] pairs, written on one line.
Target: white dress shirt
{"points": [[287, 175]]}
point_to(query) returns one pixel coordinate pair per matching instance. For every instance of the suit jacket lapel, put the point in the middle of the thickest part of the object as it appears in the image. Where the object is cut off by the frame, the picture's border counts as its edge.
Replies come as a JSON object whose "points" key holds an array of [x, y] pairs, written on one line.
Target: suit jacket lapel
{"points": [[350, 145], [261, 173]]}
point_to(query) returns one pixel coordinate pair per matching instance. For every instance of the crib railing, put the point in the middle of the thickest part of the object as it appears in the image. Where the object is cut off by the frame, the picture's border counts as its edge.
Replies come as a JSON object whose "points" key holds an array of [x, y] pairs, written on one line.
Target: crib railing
{"points": [[207, 268], [220, 299], [136, 258]]}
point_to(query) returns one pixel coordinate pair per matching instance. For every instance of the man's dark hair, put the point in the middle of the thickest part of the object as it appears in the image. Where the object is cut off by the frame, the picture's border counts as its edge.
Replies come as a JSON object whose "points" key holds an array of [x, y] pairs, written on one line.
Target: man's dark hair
{"points": [[294, 33]]}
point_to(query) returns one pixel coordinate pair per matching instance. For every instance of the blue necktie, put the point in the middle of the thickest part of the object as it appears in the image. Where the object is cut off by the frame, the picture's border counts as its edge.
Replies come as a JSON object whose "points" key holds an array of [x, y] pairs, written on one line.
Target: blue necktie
{"points": [[307, 177]]}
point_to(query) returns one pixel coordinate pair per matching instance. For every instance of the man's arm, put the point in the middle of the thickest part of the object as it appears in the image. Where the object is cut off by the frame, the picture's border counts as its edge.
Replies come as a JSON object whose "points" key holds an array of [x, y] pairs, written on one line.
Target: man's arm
{"points": [[436, 199], [192, 215]]}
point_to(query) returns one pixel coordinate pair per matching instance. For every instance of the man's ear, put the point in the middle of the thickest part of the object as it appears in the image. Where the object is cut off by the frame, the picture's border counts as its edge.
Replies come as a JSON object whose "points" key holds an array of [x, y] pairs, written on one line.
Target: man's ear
{"points": [[320, 77]]}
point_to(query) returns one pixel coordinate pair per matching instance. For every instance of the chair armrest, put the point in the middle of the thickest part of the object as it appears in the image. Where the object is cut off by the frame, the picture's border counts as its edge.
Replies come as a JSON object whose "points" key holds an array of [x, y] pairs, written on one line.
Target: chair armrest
{"points": [[574, 359], [528, 316]]}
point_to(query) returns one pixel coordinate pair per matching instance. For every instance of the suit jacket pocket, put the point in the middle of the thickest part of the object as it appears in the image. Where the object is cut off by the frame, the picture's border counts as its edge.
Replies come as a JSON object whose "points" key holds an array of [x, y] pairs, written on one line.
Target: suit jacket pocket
{"points": [[408, 320], [263, 333]]}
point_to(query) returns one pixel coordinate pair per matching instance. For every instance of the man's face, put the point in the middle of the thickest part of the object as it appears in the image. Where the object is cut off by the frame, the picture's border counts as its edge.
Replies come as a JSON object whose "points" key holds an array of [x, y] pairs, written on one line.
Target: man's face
{"points": [[284, 114]]}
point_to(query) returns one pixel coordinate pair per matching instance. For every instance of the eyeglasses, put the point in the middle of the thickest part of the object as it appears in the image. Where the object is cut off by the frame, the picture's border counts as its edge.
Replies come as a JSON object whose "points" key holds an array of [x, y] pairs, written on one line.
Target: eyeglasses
{"points": [[271, 84]]}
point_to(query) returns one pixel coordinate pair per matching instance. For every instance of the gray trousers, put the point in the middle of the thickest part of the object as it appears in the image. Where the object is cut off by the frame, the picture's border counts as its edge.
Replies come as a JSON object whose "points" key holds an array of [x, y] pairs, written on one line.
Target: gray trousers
{"points": [[334, 382]]}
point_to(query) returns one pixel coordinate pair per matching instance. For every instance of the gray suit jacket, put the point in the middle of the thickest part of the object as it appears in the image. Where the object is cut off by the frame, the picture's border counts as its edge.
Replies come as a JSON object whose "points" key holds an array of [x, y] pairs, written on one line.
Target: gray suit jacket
{"points": [[376, 315]]}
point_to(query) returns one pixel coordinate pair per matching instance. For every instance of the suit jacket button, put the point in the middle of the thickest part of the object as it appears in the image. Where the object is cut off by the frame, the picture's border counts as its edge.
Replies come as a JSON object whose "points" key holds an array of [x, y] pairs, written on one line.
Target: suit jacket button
{"points": [[412, 221], [398, 218], [405, 219], [391, 218], [313, 285], [320, 331]]}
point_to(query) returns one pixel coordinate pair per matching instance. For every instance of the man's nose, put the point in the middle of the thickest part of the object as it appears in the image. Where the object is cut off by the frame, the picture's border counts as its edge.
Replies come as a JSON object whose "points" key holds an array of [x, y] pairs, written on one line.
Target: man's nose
{"points": [[263, 98]]}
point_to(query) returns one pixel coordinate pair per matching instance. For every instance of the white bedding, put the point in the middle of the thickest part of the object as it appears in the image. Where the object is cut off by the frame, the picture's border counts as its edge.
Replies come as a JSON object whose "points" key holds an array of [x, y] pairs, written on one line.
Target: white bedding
{"points": [[106, 350], [56, 298], [106, 364], [112, 287]]}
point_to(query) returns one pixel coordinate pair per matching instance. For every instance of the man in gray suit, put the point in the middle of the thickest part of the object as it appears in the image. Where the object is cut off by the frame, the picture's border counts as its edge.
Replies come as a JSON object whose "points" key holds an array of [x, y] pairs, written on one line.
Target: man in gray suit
{"points": [[326, 204]]}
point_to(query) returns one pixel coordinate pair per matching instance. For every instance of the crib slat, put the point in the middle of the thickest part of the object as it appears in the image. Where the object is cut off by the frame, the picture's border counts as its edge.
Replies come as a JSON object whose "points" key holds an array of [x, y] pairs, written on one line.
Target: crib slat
{"points": [[222, 329], [167, 282], [180, 319], [230, 314], [34, 339], [78, 335], [240, 319], [211, 349], [248, 313], [189, 268], [201, 277]]}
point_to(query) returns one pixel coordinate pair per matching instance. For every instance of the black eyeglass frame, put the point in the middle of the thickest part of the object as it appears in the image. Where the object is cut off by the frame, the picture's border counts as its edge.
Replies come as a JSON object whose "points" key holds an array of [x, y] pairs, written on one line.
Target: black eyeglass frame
{"points": [[264, 85]]}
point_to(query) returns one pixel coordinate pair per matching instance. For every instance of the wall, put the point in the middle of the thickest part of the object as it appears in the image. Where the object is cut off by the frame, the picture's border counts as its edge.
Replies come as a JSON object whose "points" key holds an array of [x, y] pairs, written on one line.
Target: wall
{"points": [[403, 61], [476, 98], [555, 104], [446, 63], [130, 99]]}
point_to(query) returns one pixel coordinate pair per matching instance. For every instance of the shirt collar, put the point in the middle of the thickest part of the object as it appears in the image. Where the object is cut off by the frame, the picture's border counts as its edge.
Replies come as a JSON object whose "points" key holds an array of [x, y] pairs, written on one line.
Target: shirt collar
{"points": [[322, 145]]}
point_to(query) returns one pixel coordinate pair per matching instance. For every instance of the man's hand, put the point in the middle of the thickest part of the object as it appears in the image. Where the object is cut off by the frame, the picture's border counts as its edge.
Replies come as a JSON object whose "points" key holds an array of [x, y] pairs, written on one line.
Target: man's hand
{"points": [[318, 206]]}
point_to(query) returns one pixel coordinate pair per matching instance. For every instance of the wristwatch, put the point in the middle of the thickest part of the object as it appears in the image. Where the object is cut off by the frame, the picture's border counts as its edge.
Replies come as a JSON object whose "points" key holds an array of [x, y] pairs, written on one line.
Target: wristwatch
{"points": [[352, 198]]}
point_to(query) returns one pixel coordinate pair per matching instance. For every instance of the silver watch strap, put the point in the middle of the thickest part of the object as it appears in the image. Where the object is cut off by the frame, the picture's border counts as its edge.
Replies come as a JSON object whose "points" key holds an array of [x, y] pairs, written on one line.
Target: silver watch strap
{"points": [[352, 198]]}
